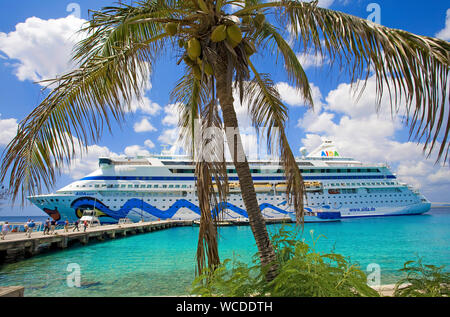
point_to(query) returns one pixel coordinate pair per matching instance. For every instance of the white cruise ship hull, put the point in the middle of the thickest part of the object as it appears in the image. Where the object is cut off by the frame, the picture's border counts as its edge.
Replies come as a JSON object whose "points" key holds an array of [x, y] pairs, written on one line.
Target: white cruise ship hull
{"points": [[163, 187], [71, 208]]}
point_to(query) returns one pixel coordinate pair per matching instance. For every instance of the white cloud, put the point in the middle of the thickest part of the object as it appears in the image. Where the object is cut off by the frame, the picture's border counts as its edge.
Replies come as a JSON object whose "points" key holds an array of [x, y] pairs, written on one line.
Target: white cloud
{"points": [[42, 48], [289, 95], [322, 3], [169, 136], [145, 105], [135, 150], [149, 144], [143, 126], [172, 114], [8, 128], [308, 60], [325, 3], [86, 160], [444, 34]]}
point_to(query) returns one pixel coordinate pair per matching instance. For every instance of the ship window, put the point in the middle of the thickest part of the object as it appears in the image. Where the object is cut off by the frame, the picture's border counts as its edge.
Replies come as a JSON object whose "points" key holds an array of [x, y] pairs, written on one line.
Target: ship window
{"points": [[136, 186]]}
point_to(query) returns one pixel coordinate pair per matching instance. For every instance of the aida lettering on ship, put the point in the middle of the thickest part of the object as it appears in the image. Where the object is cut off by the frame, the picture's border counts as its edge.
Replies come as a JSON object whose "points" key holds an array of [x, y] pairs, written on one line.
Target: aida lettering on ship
{"points": [[163, 187]]}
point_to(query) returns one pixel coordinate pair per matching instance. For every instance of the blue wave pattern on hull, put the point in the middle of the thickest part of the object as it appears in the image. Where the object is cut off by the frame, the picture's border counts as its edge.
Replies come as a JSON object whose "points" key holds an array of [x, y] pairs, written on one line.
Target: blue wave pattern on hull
{"points": [[88, 202]]}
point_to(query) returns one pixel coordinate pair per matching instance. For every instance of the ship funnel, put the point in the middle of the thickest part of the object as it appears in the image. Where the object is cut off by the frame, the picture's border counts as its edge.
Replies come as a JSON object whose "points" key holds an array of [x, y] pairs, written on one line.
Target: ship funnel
{"points": [[326, 150]]}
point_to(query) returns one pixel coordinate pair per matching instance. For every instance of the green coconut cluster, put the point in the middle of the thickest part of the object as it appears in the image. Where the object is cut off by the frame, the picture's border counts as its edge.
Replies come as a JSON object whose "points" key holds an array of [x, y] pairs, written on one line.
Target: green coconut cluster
{"points": [[227, 31]]}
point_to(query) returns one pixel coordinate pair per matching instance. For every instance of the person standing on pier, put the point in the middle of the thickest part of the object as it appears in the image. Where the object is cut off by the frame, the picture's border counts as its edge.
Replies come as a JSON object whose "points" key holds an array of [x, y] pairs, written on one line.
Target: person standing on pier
{"points": [[85, 224], [5, 229], [52, 225], [76, 226], [66, 226], [47, 226], [31, 226]]}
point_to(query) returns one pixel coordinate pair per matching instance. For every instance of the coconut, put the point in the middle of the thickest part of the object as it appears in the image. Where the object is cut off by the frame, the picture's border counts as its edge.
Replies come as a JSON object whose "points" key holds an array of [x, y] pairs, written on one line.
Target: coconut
{"points": [[246, 19], [207, 68], [202, 5], [197, 72], [234, 33], [194, 49], [259, 19], [219, 33], [171, 28], [188, 61], [232, 43]]}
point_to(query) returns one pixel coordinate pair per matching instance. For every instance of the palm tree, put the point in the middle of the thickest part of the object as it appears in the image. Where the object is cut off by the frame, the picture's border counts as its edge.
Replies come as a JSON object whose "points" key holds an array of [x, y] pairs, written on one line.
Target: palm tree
{"points": [[215, 40]]}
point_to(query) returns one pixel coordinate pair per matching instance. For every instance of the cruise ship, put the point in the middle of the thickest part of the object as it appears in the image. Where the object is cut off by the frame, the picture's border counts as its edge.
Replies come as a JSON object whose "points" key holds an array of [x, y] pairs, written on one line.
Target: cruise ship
{"points": [[163, 187]]}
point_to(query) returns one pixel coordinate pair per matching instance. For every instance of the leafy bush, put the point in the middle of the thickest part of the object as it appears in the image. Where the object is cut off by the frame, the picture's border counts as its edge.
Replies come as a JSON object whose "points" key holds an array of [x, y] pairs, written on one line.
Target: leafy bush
{"points": [[303, 272], [423, 281]]}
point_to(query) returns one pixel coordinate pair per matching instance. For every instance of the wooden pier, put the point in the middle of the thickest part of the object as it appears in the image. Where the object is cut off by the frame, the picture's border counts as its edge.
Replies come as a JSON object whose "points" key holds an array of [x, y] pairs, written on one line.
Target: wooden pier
{"points": [[18, 246]]}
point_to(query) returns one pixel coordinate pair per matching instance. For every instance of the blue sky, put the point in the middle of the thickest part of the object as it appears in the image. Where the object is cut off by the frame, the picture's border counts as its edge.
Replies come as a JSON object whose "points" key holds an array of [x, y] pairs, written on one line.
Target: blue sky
{"points": [[35, 43]]}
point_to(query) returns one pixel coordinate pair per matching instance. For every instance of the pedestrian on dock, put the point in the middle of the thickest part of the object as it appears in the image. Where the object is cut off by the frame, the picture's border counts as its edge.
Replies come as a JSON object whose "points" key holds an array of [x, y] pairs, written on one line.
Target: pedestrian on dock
{"points": [[66, 226], [52, 226], [47, 226], [5, 229], [85, 224], [31, 226], [76, 226]]}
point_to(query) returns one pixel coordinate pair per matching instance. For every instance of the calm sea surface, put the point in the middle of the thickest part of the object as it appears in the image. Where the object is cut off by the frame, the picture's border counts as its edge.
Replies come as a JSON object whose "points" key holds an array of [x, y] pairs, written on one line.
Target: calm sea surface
{"points": [[162, 263]]}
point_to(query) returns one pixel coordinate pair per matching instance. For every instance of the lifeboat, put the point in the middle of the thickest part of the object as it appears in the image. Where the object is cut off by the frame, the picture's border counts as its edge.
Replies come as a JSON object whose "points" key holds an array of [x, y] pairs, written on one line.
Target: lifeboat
{"points": [[232, 186], [311, 186], [263, 188], [281, 187], [334, 191]]}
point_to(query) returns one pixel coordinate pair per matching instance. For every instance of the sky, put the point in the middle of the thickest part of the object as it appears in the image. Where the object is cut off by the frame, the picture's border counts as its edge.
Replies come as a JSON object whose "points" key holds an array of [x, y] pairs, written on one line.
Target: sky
{"points": [[36, 41]]}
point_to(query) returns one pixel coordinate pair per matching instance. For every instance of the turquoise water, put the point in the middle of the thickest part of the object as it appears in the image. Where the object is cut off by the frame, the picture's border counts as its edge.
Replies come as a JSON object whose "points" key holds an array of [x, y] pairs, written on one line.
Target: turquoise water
{"points": [[162, 263]]}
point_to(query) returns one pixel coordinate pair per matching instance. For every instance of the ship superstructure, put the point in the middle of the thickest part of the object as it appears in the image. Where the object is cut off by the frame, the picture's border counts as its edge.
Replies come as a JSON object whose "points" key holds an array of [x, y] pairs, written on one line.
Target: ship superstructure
{"points": [[163, 187]]}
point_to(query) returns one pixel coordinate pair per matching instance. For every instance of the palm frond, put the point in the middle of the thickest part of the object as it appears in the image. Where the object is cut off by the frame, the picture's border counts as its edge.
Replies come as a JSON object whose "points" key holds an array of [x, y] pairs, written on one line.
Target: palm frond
{"points": [[412, 67], [198, 113], [268, 111], [83, 101], [296, 73]]}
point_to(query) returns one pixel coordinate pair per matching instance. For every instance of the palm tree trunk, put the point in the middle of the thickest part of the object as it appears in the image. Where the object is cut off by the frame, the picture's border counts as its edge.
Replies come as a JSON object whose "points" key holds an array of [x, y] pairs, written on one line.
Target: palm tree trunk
{"points": [[256, 220]]}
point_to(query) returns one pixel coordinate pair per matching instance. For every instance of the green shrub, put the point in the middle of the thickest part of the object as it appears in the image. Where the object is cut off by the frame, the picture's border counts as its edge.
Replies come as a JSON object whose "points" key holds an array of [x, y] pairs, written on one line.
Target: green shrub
{"points": [[423, 281], [303, 272]]}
